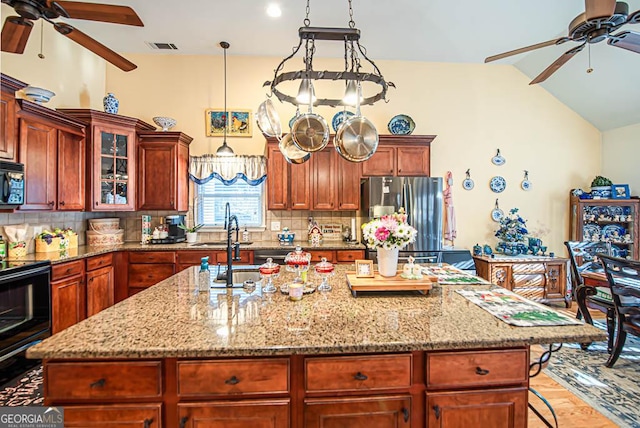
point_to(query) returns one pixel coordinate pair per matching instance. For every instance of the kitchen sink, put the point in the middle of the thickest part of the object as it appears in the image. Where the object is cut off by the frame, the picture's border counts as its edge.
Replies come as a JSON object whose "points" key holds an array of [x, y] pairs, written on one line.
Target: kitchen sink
{"points": [[240, 275], [218, 243]]}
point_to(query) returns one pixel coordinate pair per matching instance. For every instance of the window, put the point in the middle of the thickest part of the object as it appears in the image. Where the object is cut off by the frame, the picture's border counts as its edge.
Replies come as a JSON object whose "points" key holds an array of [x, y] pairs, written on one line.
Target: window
{"points": [[247, 203]]}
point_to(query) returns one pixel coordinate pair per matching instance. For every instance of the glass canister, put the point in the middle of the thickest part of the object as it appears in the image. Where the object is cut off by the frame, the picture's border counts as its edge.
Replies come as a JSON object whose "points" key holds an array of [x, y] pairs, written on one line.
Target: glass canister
{"points": [[324, 269], [298, 261], [269, 270]]}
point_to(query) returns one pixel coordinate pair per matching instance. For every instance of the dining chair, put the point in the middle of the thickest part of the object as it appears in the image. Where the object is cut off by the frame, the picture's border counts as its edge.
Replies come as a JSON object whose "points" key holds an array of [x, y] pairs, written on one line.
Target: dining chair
{"points": [[624, 281], [584, 257]]}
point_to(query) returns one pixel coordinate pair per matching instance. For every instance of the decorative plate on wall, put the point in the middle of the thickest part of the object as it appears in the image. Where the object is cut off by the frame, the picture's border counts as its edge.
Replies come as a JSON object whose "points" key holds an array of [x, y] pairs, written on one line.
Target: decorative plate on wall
{"points": [[498, 159], [496, 213], [498, 184], [401, 125], [467, 183], [526, 184], [340, 117]]}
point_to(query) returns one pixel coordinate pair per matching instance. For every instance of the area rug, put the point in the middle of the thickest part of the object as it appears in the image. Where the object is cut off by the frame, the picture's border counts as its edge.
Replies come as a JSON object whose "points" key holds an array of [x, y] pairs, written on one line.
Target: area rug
{"points": [[614, 392], [25, 390]]}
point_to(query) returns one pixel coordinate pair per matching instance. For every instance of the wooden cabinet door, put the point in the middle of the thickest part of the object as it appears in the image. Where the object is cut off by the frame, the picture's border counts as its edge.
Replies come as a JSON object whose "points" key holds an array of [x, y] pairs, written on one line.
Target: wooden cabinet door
{"points": [[556, 280], [100, 289], [67, 302], [300, 186], [71, 172], [501, 275], [38, 152], [277, 179], [381, 164], [324, 180], [8, 128], [502, 408], [114, 416], [157, 176], [356, 412], [348, 185], [412, 161], [235, 414]]}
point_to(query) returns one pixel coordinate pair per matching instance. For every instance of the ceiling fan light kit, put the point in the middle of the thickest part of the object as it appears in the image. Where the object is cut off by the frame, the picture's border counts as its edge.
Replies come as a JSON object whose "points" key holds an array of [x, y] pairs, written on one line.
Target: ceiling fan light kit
{"points": [[16, 29], [599, 21]]}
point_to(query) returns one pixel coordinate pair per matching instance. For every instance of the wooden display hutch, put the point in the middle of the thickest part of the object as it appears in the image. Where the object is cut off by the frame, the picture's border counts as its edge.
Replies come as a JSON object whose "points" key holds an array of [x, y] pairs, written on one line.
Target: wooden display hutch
{"points": [[607, 220]]}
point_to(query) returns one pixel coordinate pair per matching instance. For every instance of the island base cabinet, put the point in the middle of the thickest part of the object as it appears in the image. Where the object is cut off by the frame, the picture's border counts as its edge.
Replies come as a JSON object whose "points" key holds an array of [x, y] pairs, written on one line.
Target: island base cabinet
{"points": [[497, 408], [358, 412], [235, 414], [114, 416]]}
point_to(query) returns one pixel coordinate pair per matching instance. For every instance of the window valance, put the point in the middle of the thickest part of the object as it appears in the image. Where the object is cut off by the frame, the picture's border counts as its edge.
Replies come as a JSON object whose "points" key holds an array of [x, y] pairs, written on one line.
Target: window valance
{"points": [[252, 169]]}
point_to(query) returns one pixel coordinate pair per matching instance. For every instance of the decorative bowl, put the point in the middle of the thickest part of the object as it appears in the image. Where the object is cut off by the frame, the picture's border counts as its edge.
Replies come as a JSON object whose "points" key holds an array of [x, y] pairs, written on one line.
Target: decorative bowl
{"points": [[38, 95], [165, 123], [286, 238]]}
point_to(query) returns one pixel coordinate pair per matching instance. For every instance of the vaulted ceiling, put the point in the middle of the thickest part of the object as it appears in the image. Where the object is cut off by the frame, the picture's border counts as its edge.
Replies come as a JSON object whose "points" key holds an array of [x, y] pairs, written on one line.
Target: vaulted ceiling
{"points": [[466, 31]]}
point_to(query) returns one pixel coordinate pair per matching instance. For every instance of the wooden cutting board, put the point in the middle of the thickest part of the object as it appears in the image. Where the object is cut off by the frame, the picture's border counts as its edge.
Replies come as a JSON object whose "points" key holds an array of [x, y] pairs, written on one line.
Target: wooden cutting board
{"points": [[383, 283]]}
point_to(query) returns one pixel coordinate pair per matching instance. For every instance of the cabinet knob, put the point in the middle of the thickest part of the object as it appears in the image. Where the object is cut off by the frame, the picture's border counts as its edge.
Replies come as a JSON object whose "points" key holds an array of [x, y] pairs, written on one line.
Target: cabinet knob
{"points": [[232, 381], [98, 384], [436, 409], [360, 376], [405, 414], [183, 421], [482, 372], [51, 203], [61, 203], [147, 423]]}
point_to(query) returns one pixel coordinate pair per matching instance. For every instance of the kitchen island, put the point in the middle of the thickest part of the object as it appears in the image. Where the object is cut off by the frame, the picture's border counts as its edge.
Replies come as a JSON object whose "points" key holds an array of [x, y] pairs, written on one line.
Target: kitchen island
{"points": [[172, 357]]}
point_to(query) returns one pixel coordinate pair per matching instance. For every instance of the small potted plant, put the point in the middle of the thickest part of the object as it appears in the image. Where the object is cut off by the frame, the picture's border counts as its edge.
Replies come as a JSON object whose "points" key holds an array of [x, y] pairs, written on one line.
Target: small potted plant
{"points": [[191, 232], [601, 187]]}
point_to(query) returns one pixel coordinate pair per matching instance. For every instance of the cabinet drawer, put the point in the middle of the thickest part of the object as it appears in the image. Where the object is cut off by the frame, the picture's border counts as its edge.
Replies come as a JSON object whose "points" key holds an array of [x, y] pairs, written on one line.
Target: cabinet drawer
{"points": [[482, 368], [246, 257], [530, 280], [349, 256], [67, 269], [316, 256], [87, 381], [193, 257], [233, 377], [357, 373], [152, 257], [528, 268], [99, 261], [146, 275], [118, 415]]}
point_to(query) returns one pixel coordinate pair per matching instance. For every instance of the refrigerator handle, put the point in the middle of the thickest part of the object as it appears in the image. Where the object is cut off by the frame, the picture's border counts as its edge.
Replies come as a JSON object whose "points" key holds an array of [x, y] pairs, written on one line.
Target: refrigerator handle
{"points": [[407, 193]]}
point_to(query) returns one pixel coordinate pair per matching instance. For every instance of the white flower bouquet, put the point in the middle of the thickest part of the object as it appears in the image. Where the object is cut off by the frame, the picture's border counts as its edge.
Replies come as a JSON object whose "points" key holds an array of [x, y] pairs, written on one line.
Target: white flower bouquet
{"points": [[389, 232]]}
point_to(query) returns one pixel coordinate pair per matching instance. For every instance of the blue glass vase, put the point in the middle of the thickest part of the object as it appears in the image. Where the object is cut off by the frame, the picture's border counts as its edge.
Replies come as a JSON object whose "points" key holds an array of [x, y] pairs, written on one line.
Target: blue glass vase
{"points": [[110, 103]]}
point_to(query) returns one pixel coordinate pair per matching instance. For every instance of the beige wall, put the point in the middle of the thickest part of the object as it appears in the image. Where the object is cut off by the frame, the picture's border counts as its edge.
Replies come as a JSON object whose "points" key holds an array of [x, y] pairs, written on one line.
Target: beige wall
{"points": [[621, 156], [473, 109]]}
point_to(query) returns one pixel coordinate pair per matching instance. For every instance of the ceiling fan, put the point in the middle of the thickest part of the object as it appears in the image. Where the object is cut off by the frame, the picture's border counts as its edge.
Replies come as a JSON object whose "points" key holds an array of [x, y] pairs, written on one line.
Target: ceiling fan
{"points": [[600, 19], [16, 29]]}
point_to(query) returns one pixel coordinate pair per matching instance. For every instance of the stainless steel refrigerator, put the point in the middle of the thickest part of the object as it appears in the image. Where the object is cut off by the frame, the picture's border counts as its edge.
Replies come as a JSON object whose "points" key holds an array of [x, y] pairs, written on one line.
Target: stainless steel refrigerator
{"points": [[423, 201]]}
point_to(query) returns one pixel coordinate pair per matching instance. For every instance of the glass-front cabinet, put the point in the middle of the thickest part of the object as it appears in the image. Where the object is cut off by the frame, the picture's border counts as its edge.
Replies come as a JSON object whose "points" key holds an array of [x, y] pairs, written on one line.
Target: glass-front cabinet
{"points": [[612, 221], [111, 148]]}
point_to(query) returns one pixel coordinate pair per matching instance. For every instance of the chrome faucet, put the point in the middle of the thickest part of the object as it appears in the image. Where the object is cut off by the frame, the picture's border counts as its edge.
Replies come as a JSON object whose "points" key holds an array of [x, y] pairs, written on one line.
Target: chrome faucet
{"points": [[233, 249]]}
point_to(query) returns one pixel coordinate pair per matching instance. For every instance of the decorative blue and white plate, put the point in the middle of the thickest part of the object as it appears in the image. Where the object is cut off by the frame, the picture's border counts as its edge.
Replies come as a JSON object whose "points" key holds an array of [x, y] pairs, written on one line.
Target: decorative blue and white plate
{"points": [[609, 231], [588, 230], [340, 117], [498, 184], [497, 214], [293, 119], [498, 159], [526, 185], [401, 125], [467, 184]]}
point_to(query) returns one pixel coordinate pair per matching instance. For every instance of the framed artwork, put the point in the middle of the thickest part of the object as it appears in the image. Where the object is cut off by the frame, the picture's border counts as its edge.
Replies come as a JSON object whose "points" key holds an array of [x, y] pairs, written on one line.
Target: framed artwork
{"points": [[364, 269], [238, 122], [620, 191]]}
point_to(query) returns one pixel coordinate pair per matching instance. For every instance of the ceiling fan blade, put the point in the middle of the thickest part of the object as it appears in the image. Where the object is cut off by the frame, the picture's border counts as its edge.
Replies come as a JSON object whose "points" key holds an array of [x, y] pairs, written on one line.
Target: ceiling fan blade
{"points": [[557, 64], [597, 10], [629, 40], [15, 34], [94, 46], [633, 17], [99, 12], [527, 49]]}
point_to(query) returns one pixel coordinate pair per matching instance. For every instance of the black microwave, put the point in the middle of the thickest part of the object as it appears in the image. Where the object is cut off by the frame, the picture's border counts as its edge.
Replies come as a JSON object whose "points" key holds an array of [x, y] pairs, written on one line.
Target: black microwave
{"points": [[11, 184]]}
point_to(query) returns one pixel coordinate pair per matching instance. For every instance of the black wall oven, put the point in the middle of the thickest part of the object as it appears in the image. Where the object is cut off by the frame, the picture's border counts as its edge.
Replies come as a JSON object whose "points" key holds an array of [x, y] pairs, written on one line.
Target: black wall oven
{"points": [[25, 313]]}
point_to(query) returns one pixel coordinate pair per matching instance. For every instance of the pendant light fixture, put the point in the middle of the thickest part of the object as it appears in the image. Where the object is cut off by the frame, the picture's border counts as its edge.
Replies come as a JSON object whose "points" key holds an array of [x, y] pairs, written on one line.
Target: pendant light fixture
{"points": [[224, 149], [351, 76]]}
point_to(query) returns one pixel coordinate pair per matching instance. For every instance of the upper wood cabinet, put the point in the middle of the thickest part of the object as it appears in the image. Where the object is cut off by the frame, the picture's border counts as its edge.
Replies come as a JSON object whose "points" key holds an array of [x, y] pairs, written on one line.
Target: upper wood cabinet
{"points": [[400, 155], [111, 154], [163, 171], [288, 185], [52, 148], [8, 118]]}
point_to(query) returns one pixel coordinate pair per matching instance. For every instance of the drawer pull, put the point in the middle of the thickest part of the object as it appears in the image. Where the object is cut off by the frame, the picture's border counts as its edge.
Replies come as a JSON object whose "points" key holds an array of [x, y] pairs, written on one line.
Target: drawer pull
{"points": [[436, 409], [147, 423], [232, 381], [482, 372], [405, 413], [360, 376], [98, 384], [183, 421]]}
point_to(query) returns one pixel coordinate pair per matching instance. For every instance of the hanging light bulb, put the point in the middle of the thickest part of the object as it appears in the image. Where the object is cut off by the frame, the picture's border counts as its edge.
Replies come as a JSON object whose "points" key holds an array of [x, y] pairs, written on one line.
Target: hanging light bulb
{"points": [[224, 149], [351, 93], [306, 92]]}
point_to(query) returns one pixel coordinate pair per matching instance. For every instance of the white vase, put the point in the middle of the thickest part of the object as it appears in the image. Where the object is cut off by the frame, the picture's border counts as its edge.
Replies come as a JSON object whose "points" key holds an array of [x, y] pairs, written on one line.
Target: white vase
{"points": [[192, 237], [388, 262]]}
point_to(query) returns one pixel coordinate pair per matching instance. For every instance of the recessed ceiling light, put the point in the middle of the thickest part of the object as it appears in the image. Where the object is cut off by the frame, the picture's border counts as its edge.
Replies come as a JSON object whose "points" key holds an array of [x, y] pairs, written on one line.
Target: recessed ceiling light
{"points": [[273, 10]]}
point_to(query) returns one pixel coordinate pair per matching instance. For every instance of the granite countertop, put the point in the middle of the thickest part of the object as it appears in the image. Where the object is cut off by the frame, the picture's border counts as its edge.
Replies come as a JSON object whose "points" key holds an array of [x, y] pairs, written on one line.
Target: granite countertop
{"points": [[171, 319], [89, 251]]}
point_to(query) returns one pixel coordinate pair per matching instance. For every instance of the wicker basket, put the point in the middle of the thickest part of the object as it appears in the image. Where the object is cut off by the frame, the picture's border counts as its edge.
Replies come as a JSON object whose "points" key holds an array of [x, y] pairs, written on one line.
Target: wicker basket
{"points": [[110, 225], [95, 238], [43, 247], [17, 249]]}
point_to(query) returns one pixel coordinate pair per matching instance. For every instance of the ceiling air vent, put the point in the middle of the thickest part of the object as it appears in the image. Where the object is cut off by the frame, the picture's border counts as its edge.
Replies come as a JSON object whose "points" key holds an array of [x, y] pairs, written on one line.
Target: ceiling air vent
{"points": [[162, 46]]}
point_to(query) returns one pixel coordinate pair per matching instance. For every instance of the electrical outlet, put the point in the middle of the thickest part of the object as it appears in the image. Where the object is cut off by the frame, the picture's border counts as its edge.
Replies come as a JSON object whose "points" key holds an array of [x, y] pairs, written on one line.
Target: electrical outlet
{"points": [[37, 230], [275, 226]]}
